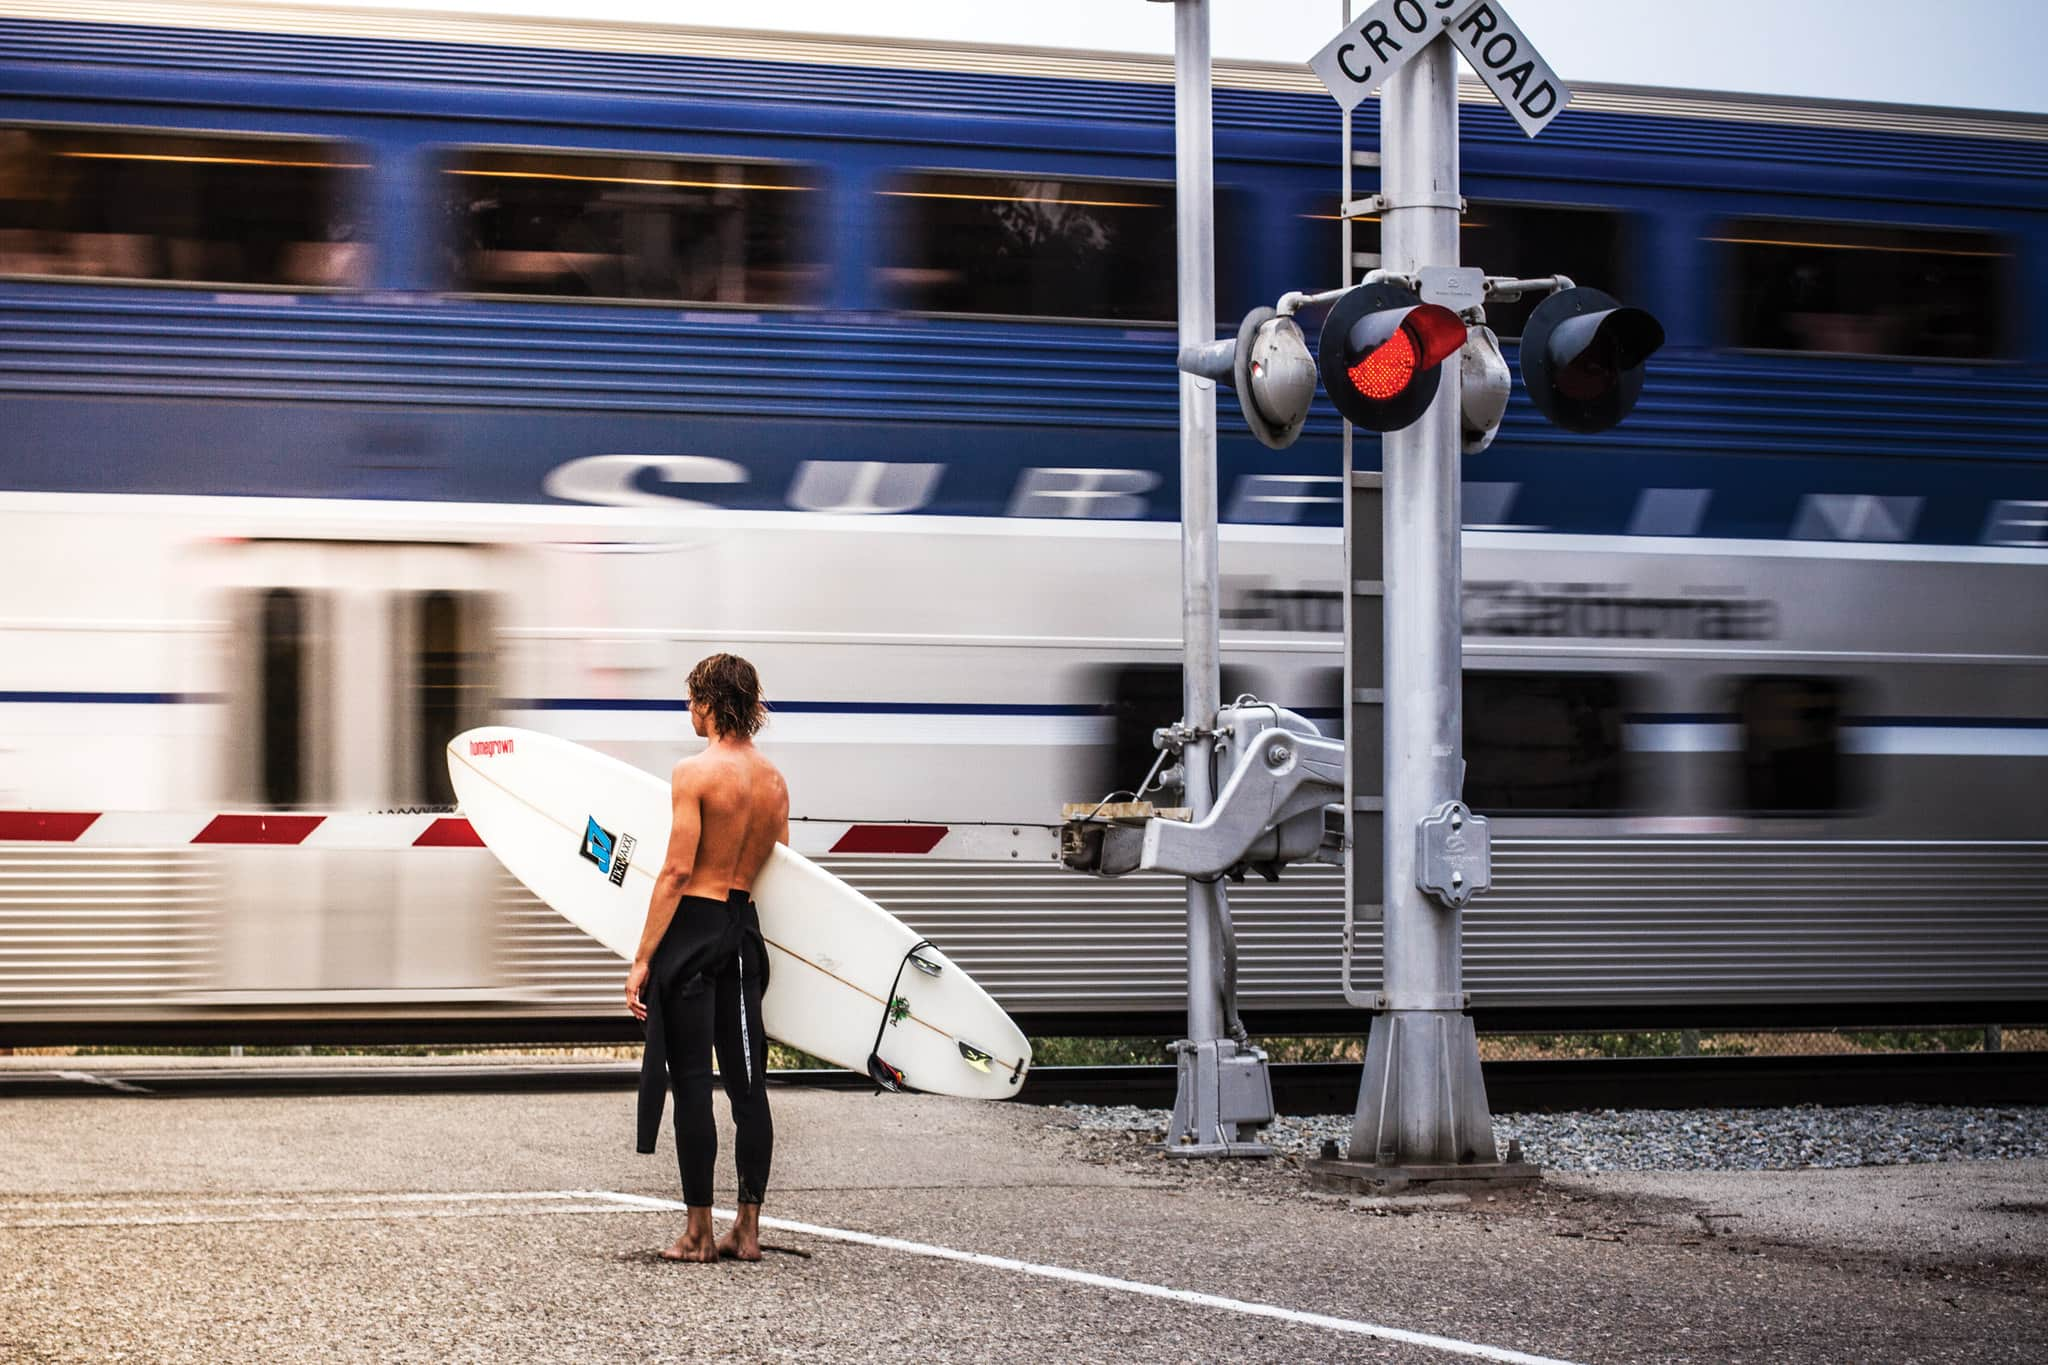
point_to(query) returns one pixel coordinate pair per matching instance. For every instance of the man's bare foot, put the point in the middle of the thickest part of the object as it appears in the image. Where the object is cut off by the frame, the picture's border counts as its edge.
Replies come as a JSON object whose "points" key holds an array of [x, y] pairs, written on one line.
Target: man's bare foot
{"points": [[696, 1243], [742, 1240], [688, 1248]]}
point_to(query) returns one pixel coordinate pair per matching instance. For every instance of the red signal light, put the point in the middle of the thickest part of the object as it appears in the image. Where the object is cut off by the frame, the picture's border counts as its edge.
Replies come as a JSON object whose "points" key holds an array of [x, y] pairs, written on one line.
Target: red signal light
{"points": [[1388, 369], [1380, 354], [1427, 336]]}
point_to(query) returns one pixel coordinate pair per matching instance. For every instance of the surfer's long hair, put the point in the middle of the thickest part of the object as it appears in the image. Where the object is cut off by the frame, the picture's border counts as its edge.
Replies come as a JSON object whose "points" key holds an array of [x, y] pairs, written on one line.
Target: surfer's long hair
{"points": [[729, 686]]}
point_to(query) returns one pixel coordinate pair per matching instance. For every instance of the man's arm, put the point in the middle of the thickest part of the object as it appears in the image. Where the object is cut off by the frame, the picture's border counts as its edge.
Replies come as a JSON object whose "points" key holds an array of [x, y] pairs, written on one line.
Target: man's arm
{"points": [[686, 825]]}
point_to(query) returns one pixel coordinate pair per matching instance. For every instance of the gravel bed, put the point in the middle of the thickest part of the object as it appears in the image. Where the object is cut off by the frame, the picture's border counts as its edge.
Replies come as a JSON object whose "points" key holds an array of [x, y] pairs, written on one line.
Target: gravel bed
{"points": [[1695, 1139]]}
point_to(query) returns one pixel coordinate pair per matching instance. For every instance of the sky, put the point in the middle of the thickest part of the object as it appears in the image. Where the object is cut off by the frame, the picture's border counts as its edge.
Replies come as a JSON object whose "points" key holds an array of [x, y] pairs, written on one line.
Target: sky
{"points": [[1969, 54]]}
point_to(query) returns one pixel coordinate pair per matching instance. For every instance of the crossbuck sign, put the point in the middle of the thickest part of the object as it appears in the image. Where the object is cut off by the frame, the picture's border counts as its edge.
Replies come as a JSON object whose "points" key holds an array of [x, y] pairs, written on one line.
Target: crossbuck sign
{"points": [[1383, 39]]}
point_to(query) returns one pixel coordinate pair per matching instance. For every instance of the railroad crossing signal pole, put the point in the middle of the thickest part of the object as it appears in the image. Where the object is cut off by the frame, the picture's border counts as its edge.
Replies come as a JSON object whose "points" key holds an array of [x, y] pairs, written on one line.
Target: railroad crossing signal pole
{"points": [[1261, 782], [1214, 1070], [1395, 357], [1422, 1115], [1422, 1104]]}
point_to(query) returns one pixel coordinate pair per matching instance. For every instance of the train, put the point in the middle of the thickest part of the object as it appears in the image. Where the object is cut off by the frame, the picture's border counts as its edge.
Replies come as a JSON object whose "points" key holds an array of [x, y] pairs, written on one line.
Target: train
{"points": [[367, 375]]}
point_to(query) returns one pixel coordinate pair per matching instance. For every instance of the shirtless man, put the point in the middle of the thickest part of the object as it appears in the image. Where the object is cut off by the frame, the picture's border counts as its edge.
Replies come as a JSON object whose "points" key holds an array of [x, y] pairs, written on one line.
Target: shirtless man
{"points": [[698, 976]]}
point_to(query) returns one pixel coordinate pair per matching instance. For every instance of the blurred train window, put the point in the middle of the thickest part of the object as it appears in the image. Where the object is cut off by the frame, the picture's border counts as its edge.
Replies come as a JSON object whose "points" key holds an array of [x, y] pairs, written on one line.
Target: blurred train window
{"points": [[1324, 241], [572, 225], [1020, 246], [183, 208], [1142, 698], [1792, 756], [282, 672], [1521, 240], [1544, 743], [1324, 690], [1525, 240], [1865, 289], [449, 684]]}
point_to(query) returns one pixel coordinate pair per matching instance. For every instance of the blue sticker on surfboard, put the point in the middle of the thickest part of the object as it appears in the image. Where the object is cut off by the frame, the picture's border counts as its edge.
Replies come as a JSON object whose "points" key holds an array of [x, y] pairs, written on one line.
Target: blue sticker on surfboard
{"points": [[613, 854]]}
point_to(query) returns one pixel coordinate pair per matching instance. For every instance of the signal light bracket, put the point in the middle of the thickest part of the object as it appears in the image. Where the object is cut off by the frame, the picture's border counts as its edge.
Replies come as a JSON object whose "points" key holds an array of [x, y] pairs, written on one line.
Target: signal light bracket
{"points": [[1456, 287]]}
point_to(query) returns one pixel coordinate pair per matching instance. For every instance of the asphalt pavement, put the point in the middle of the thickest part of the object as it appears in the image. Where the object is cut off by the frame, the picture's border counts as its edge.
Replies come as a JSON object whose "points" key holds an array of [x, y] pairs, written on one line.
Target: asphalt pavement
{"points": [[907, 1228]]}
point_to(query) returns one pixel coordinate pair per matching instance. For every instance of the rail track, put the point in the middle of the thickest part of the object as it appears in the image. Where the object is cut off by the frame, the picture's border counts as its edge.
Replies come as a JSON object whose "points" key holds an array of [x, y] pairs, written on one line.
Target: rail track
{"points": [[1298, 1088]]}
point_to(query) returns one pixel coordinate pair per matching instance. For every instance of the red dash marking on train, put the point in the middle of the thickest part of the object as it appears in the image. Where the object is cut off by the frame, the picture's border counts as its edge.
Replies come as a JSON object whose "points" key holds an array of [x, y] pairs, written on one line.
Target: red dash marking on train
{"points": [[45, 826], [258, 829], [890, 839], [448, 832]]}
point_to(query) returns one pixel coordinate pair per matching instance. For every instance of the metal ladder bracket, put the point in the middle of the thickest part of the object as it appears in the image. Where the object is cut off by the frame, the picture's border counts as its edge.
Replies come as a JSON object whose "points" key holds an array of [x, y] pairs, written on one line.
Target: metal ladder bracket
{"points": [[1453, 854]]}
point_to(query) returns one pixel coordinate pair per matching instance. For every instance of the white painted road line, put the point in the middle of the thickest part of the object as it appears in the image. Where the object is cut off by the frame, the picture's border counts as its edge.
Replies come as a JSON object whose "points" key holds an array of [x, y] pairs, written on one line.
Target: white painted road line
{"points": [[307, 1208], [231, 1200], [87, 1078], [309, 1216], [1449, 1345], [335, 1208]]}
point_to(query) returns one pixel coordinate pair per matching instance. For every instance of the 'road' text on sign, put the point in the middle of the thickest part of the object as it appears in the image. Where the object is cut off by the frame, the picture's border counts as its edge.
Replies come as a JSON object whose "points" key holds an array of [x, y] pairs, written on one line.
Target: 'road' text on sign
{"points": [[1509, 65]]}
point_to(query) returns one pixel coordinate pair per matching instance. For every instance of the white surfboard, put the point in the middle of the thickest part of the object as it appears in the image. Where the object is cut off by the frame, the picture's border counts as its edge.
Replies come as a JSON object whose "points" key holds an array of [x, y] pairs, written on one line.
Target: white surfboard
{"points": [[587, 833]]}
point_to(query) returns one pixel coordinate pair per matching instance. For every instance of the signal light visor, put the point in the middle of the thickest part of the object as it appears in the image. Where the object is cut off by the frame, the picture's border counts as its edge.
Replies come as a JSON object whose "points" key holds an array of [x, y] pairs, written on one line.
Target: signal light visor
{"points": [[1582, 358], [1597, 348]]}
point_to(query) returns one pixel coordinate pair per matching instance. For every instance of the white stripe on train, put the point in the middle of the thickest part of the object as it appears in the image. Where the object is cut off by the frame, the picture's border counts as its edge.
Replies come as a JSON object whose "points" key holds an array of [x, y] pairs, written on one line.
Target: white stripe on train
{"points": [[166, 829]]}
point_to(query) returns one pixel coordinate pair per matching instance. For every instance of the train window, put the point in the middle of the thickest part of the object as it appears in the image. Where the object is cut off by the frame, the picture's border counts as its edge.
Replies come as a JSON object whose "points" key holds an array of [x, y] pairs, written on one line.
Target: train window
{"points": [[574, 225], [1543, 743], [1521, 240], [1021, 246], [1865, 289], [284, 642], [1142, 698], [448, 681], [181, 208], [1792, 756], [1324, 240], [1525, 240], [1324, 704]]}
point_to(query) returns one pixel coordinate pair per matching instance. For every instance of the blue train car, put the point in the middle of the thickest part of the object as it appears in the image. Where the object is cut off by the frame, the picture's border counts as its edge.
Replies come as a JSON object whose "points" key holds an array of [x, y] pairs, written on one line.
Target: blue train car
{"points": [[366, 374]]}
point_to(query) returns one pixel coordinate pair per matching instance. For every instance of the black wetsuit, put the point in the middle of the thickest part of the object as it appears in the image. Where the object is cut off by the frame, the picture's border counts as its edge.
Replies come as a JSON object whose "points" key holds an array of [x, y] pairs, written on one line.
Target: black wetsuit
{"points": [[704, 991]]}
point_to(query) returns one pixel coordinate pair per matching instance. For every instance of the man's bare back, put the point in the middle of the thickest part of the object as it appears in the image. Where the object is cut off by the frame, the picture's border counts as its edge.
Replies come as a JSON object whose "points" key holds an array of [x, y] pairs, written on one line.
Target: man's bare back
{"points": [[729, 808], [742, 813]]}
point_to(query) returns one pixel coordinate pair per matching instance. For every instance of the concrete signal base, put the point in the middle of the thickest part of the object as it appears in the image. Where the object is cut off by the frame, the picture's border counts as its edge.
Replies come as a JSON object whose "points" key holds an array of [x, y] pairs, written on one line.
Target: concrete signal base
{"points": [[1422, 1123], [1369, 1178]]}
